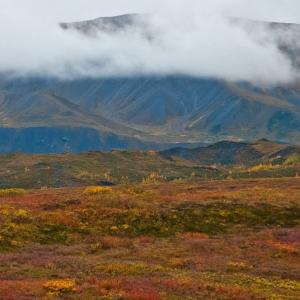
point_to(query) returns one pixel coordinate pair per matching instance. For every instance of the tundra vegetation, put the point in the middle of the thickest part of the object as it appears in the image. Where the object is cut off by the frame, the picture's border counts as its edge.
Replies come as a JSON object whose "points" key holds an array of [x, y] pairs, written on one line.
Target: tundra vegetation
{"points": [[187, 239], [225, 160]]}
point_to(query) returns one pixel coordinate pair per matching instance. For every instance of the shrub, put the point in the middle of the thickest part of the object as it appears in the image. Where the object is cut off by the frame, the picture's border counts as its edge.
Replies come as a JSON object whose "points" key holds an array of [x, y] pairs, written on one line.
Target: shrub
{"points": [[236, 266], [12, 192], [200, 220], [60, 287], [128, 269], [196, 236], [154, 178], [97, 190], [109, 242], [288, 248], [15, 227], [263, 167], [50, 233], [110, 289], [292, 159], [146, 239], [142, 295]]}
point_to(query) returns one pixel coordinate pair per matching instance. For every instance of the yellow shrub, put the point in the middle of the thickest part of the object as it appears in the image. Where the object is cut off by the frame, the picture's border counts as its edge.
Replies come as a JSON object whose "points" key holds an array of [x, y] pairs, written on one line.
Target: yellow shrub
{"points": [[236, 266], [15, 227], [12, 192], [59, 287], [154, 178], [293, 159], [263, 167], [97, 190]]}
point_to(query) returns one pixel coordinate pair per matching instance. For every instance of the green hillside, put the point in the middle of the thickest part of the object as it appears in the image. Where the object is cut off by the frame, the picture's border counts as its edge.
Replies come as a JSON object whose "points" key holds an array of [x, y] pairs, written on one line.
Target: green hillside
{"points": [[224, 160]]}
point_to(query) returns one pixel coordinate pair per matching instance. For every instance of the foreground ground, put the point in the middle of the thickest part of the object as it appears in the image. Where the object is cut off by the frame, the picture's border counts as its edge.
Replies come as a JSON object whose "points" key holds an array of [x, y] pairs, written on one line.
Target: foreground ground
{"points": [[181, 240]]}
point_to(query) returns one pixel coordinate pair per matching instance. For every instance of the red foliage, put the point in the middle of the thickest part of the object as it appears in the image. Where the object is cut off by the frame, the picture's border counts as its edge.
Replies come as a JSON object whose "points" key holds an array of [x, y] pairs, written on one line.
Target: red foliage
{"points": [[196, 236], [146, 240], [21, 290], [288, 236], [142, 295]]}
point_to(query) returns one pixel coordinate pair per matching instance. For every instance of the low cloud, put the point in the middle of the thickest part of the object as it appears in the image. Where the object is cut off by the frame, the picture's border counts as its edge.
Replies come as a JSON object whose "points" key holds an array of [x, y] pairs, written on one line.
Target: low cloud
{"points": [[178, 37]]}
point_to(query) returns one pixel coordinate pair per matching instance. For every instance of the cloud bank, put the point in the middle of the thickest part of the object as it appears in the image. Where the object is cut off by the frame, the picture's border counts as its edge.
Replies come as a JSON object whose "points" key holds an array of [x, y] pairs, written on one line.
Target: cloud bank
{"points": [[188, 37]]}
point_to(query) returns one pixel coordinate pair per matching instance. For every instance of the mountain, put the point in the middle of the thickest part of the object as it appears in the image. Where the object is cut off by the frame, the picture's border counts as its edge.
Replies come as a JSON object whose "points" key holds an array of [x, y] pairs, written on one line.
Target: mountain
{"points": [[42, 115], [107, 24]]}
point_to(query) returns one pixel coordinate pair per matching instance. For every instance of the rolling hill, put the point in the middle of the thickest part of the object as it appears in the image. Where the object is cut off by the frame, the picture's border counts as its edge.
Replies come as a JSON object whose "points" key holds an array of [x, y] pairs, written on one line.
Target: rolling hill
{"points": [[223, 160]]}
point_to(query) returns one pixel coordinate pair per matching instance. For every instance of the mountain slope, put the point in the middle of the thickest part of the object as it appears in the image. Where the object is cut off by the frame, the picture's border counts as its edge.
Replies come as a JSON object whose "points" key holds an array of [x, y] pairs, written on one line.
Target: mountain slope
{"points": [[169, 107], [226, 153], [106, 24], [155, 110]]}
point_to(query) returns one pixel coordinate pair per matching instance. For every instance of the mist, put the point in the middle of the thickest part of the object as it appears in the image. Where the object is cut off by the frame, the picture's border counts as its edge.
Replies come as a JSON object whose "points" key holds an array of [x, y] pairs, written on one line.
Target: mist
{"points": [[188, 37]]}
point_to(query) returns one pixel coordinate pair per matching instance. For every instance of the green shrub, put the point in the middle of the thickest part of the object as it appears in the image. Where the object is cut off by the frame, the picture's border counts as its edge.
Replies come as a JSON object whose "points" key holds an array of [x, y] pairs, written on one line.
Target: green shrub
{"points": [[49, 233], [209, 219]]}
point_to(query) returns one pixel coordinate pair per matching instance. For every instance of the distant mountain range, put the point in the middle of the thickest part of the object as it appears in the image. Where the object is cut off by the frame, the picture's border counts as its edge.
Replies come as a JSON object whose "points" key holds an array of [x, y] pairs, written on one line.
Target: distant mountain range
{"points": [[42, 115]]}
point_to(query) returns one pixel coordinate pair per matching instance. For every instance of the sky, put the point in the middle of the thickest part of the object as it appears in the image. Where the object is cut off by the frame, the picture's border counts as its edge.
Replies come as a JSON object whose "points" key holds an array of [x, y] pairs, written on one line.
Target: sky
{"points": [[73, 10], [192, 37]]}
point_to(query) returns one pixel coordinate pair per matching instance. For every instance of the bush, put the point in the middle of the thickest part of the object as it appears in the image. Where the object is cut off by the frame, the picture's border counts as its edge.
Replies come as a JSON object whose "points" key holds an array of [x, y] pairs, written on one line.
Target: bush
{"points": [[236, 266], [263, 167], [97, 190], [18, 227], [196, 236], [15, 227], [142, 295], [109, 242], [58, 288], [127, 269], [293, 159], [154, 178], [12, 192], [50, 233]]}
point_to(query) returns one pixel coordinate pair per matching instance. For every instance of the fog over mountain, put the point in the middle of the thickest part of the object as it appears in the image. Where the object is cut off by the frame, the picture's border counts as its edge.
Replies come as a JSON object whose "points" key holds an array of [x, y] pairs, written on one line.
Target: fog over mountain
{"points": [[91, 75], [173, 37]]}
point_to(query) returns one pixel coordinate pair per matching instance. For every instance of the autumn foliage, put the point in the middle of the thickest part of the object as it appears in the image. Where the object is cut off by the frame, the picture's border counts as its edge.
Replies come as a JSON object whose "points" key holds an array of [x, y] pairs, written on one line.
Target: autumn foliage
{"points": [[225, 240], [97, 190]]}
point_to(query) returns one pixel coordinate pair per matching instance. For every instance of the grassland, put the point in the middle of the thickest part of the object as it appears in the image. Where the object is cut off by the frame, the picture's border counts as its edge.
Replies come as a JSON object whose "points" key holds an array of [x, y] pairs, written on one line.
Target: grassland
{"points": [[192, 239], [94, 168], [134, 167]]}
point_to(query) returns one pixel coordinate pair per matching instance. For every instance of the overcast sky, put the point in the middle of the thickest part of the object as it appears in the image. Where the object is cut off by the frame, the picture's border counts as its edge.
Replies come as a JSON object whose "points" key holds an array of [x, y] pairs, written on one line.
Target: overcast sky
{"points": [[279, 10], [192, 39]]}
